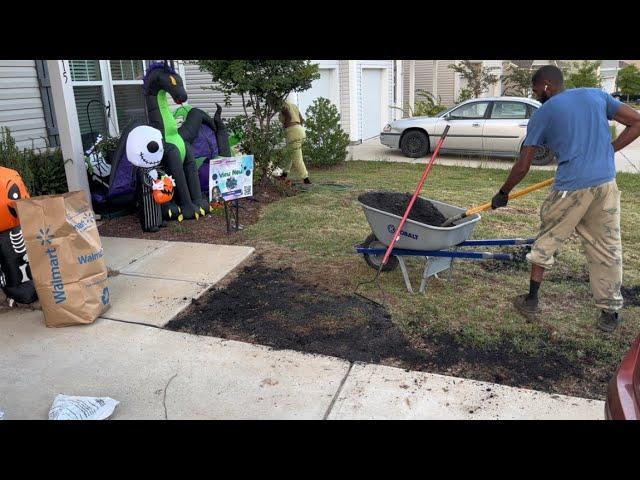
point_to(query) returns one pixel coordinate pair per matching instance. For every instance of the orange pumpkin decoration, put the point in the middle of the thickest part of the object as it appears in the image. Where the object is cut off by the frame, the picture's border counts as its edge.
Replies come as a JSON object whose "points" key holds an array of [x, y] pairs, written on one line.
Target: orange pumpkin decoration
{"points": [[163, 190], [12, 188]]}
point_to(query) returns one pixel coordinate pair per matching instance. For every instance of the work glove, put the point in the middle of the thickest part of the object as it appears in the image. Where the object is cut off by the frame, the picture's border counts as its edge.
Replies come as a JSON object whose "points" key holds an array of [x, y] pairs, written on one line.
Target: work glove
{"points": [[500, 199]]}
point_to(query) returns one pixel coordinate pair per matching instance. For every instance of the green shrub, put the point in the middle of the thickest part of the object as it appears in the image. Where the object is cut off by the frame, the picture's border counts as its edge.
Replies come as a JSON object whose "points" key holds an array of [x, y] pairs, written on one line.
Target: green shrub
{"points": [[326, 142], [42, 171], [266, 143]]}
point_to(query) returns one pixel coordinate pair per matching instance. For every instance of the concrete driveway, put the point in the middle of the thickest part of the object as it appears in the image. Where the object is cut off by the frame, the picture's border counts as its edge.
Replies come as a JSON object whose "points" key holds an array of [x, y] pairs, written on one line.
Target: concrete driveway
{"points": [[160, 374], [627, 160]]}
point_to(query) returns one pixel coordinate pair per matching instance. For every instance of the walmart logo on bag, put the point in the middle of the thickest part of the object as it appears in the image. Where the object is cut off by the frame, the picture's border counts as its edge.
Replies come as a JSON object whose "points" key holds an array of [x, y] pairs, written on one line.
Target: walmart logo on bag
{"points": [[92, 257], [57, 285], [44, 236]]}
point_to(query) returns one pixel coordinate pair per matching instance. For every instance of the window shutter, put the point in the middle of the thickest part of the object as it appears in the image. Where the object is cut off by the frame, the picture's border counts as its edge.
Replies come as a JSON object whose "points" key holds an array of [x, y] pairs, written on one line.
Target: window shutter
{"points": [[44, 83]]}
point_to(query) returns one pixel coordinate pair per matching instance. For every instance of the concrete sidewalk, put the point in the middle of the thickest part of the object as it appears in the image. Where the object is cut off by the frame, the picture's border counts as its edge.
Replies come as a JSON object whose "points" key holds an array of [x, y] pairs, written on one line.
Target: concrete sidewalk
{"points": [[627, 160], [158, 374]]}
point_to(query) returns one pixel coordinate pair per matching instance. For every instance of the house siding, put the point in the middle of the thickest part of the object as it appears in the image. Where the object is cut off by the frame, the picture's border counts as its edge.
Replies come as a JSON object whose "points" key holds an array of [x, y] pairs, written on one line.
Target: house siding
{"points": [[20, 103], [424, 80], [446, 82], [206, 99]]}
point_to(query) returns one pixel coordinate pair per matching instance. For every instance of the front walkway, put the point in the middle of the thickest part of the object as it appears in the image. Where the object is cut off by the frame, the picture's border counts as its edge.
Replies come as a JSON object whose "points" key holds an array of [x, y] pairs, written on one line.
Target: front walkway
{"points": [[158, 374]]}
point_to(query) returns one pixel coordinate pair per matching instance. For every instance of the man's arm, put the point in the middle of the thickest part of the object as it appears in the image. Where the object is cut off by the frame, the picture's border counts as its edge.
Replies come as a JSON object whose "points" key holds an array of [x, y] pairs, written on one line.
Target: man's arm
{"points": [[520, 168], [518, 172], [631, 118]]}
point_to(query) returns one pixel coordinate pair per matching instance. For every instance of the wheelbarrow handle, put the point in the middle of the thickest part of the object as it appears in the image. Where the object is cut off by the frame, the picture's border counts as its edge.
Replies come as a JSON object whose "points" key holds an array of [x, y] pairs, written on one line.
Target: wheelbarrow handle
{"points": [[512, 196]]}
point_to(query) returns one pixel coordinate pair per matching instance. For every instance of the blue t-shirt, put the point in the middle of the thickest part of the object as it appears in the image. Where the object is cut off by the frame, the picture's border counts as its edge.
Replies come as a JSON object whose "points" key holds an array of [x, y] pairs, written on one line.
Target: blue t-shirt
{"points": [[573, 124]]}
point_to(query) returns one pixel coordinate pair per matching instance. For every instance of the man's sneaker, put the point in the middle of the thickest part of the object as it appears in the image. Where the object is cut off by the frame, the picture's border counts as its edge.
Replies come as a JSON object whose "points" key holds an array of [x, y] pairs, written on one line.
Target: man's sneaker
{"points": [[307, 181], [526, 306], [608, 321]]}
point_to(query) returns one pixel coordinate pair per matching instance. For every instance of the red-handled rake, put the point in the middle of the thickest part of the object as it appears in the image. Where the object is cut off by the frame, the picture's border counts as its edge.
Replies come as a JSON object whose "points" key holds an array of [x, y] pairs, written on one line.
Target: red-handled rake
{"points": [[398, 230]]}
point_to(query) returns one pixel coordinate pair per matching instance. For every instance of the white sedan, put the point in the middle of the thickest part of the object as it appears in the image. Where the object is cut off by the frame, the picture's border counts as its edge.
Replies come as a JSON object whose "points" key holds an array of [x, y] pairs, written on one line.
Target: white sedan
{"points": [[494, 126]]}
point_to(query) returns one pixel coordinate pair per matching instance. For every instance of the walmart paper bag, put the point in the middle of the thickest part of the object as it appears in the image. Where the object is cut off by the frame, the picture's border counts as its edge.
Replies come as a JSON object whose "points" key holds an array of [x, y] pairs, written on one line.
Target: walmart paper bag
{"points": [[66, 257]]}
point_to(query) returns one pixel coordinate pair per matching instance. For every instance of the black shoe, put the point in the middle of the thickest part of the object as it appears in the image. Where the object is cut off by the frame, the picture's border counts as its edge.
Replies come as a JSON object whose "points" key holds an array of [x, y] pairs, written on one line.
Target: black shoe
{"points": [[307, 181], [526, 306], [608, 321]]}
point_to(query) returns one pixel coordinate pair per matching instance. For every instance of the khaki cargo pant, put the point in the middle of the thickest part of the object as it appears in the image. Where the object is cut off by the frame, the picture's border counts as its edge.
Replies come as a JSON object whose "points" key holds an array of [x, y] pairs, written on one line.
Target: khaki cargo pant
{"points": [[594, 214], [295, 136]]}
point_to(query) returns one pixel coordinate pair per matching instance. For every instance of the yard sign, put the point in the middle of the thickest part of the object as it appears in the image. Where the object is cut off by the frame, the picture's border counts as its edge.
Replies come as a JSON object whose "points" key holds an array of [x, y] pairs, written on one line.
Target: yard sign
{"points": [[231, 178]]}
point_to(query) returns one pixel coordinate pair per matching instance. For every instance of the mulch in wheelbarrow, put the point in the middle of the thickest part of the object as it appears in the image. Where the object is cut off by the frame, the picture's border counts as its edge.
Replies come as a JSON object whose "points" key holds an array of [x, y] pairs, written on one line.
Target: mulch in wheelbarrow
{"points": [[423, 211]]}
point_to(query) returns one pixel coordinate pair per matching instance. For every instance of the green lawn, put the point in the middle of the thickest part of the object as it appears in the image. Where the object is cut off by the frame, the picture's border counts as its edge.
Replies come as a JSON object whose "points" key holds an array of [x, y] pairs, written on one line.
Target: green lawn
{"points": [[475, 308]]}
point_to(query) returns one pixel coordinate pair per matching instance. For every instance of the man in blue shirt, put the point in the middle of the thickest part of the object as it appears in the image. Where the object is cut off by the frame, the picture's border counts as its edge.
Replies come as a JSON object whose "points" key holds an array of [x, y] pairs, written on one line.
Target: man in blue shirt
{"points": [[585, 198]]}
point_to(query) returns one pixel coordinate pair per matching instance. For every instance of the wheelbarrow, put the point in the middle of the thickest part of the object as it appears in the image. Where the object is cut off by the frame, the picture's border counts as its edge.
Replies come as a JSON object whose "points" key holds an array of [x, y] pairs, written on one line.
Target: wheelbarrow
{"points": [[438, 245]]}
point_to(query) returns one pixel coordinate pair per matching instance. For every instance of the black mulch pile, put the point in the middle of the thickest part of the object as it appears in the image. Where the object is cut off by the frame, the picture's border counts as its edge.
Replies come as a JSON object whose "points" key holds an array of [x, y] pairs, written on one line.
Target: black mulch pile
{"points": [[423, 211]]}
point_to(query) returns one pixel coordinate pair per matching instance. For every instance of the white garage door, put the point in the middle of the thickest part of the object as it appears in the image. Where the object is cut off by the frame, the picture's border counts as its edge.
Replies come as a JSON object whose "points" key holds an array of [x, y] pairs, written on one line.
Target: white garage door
{"points": [[371, 102], [319, 88]]}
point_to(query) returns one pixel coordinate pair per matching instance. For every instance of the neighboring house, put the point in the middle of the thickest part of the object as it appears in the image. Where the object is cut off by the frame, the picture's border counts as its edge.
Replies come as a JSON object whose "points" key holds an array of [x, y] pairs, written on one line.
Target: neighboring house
{"points": [[67, 103], [436, 77], [362, 90]]}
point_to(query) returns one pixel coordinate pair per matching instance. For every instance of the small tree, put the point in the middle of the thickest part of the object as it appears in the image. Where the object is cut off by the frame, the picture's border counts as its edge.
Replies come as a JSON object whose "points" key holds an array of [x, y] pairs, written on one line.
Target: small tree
{"points": [[263, 86], [628, 81], [517, 81], [582, 74], [478, 78], [326, 142]]}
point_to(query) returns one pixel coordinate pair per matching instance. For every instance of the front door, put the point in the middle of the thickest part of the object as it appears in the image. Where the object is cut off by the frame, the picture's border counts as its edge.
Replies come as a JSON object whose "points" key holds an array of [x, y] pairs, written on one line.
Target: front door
{"points": [[467, 126], [371, 102]]}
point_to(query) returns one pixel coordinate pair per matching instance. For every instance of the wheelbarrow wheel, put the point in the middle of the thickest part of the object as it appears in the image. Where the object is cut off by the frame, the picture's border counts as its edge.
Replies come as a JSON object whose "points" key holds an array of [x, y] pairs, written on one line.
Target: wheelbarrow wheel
{"points": [[374, 261]]}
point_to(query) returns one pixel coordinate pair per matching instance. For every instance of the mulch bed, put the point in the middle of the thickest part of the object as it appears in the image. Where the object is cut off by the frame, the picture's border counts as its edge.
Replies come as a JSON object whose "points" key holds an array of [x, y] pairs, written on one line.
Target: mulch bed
{"points": [[210, 229], [285, 308], [423, 211]]}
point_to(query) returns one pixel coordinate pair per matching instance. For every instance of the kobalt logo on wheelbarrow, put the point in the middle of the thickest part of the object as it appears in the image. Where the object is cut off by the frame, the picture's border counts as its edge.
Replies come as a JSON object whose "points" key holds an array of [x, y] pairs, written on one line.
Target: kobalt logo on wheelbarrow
{"points": [[404, 233]]}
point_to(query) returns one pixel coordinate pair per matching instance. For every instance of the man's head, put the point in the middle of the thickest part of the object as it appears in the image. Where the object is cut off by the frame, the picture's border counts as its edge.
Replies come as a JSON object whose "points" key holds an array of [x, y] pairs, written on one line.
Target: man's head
{"points": [[547, 82]]}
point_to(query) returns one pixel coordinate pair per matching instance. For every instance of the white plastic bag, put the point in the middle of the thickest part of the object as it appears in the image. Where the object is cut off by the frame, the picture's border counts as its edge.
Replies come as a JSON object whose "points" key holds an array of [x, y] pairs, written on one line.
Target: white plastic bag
{"points": [[66, 407]]}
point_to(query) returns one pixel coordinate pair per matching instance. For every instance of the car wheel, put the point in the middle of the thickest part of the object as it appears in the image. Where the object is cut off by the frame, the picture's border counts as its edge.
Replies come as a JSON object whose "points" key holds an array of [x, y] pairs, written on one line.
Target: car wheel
{"points": [[543, 156], [414, 144]]}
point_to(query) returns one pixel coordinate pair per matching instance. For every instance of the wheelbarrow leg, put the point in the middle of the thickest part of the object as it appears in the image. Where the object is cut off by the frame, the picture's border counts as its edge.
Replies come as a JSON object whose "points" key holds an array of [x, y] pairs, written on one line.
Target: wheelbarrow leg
{"points": [[450, 276], [405, 274], [425, 278]]}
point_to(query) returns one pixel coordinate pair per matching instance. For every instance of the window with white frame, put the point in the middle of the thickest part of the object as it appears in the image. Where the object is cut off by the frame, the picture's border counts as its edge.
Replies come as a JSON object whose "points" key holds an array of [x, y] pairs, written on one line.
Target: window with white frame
{"points": [[88, 90], [108, 95], [126, 78]]}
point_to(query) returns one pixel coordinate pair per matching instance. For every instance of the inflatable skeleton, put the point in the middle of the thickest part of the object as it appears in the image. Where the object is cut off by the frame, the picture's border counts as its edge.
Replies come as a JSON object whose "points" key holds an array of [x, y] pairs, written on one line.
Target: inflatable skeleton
{"points": [[154, 188], [15, 274]]}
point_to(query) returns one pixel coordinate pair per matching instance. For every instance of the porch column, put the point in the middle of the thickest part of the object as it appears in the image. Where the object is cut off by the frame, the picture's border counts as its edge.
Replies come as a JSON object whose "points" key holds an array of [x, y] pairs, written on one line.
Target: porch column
{"points": [[412, 84], [64, 104], [354, 95], [399, 86]]}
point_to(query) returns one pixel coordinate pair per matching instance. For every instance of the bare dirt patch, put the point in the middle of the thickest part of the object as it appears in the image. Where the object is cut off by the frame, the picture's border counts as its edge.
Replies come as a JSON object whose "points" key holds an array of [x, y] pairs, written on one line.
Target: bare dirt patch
{"points": [[284, 308]]}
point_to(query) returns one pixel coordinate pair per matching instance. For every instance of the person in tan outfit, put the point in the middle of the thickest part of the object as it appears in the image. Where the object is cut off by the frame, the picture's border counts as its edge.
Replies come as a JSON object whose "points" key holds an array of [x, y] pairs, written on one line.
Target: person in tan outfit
{"points": [[294, 132]]}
